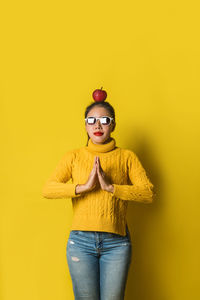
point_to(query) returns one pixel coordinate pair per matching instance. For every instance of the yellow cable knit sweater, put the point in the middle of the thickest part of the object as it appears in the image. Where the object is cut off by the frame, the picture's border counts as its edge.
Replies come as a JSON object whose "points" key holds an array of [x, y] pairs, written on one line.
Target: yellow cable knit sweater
{"points": [[100, 210]]}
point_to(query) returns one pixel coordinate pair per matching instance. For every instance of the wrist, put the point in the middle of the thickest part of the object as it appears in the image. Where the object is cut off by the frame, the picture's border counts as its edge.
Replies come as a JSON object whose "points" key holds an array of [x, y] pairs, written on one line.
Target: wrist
{"points": [[110, 188], [80, 188]]}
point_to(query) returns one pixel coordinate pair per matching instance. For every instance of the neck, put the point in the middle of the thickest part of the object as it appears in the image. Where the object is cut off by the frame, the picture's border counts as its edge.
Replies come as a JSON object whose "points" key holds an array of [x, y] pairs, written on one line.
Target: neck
{"points": [[109, 145], [105, 142]]}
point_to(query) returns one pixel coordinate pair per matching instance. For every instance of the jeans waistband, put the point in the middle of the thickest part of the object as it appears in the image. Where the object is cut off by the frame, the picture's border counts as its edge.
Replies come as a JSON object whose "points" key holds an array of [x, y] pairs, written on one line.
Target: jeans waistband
{"points": [[102, 234]]}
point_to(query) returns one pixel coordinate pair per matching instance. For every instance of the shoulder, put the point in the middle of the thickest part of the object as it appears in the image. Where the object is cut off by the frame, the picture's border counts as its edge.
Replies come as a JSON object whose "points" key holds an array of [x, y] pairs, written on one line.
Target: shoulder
{"points": [[69, 154], [130, 157], [73, 153], [127, 153]]}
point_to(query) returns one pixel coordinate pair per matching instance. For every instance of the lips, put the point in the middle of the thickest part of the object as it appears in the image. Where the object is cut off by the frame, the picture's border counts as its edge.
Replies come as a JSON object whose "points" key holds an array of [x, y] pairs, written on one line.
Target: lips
{"points": [[98, 133]]}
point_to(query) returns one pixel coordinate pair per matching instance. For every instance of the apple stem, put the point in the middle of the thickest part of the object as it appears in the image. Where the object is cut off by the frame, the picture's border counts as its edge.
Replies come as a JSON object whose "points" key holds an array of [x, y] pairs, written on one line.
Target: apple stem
{"points": [[101, 88]]}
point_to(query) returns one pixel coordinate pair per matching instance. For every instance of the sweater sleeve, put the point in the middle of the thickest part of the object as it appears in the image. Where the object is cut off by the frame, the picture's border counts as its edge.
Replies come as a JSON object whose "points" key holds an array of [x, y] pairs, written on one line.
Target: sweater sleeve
{"points": [[56, 185], [141, 189]]}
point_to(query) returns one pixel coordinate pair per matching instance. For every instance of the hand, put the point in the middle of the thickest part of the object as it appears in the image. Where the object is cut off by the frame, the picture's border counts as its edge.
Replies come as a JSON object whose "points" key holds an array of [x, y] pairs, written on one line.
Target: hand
{"points": [[93, 177], [104, 182]]}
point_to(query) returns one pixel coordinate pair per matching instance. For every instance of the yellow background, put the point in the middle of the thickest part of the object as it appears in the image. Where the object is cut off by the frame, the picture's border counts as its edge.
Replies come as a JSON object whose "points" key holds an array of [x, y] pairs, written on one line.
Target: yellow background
{"points": [[145, 54]]}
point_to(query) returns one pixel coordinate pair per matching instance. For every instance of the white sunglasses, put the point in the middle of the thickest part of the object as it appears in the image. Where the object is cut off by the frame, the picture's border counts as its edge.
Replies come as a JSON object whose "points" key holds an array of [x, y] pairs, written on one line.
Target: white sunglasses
{"points": [[105, 120]]}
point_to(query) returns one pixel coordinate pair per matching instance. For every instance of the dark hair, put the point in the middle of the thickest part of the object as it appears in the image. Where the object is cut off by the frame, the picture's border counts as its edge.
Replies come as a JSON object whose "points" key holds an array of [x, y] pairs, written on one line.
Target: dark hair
{"points": [[106, 105]]}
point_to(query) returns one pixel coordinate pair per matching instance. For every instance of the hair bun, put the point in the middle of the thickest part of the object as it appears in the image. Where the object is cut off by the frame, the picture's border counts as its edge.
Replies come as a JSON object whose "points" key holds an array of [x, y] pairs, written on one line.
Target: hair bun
{"points": [[99, 95]]}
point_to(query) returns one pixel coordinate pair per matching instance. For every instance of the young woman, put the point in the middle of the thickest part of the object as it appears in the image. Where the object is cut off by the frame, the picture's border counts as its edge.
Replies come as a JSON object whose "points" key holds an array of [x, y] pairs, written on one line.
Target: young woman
{"points": [[104, 179]]}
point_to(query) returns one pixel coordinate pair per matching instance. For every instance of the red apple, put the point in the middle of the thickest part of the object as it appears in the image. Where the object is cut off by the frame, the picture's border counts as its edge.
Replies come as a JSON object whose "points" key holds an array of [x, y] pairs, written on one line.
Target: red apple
{"points": [[99, 95]]}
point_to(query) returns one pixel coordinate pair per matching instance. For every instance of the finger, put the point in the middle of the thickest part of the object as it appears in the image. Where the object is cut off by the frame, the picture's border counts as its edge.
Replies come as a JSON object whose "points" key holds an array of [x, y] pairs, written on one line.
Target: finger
{"points": [[98, 171], [100, 168], [97, 162], [94, 161]]}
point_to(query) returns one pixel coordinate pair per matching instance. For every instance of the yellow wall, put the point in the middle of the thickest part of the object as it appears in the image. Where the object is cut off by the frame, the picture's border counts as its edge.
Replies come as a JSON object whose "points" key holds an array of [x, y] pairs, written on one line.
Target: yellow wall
{"points": [[146, 56]]}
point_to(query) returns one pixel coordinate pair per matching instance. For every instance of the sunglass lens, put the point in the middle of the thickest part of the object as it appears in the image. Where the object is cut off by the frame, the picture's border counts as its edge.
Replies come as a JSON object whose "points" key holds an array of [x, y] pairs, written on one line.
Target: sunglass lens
{"points": [[105, 121], [91, 120]]}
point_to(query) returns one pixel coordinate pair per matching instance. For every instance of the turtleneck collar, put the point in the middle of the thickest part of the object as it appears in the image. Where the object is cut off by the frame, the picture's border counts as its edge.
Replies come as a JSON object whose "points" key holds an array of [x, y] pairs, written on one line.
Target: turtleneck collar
{"points": [[101, 147]]}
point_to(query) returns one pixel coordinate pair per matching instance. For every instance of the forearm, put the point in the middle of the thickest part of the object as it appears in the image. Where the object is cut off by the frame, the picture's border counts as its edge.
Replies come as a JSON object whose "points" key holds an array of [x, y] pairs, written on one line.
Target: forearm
{"points": [[55, 190], [131, 192]]}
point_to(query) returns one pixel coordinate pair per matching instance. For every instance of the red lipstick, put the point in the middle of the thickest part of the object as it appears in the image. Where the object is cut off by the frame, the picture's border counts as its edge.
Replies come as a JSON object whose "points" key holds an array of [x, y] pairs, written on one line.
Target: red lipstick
{"points": [[98, 133]]}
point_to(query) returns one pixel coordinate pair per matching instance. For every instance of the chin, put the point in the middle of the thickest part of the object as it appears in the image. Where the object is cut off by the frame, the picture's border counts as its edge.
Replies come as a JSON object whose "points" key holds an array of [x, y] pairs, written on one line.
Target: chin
{"points": [[102, 140], [97, 139]]}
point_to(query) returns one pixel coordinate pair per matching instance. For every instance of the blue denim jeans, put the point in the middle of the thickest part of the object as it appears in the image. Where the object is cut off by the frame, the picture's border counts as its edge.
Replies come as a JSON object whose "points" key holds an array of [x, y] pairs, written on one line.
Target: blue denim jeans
{"points": [[98, 264]]}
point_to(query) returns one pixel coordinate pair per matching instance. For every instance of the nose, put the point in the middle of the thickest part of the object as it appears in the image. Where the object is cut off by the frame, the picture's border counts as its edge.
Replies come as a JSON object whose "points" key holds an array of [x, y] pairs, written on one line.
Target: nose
{"points": [[98, 124]]}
